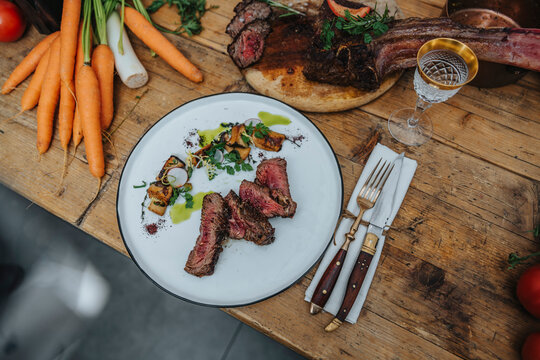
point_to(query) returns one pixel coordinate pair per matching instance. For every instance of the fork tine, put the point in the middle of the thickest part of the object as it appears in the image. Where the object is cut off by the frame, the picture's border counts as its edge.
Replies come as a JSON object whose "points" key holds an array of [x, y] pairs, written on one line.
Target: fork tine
{"points": [[379, 189], [374, 181], [360, 194], [373, 186]]}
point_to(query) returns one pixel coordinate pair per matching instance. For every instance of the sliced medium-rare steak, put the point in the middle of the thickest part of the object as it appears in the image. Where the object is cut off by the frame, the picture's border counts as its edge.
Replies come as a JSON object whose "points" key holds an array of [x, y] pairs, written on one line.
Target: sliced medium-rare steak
{"points": [[249, 13], [214, 228], [259, 197], [272, 173], [246, 222], [247, 47]]}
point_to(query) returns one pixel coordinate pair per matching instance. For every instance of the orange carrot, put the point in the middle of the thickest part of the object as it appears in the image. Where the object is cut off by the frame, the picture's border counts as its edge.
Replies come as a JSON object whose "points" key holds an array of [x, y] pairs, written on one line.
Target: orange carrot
{"points": [[77, 126], [103, 65], [65, 113], [79, 61], [159, 43], [87, 87], [48, 99], [30, 97], [71, 12], [28, 64]]}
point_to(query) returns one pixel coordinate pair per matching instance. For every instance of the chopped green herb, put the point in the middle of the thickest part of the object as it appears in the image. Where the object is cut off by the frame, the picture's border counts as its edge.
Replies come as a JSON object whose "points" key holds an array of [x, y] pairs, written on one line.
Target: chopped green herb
{"points": [[327, 34], [174, 196], [367, 38], [189, 200], [514, 259], [190, 11], [249, 129], [233, 157], [140, 186], [246, 139], [370, 26], [246, 167]]}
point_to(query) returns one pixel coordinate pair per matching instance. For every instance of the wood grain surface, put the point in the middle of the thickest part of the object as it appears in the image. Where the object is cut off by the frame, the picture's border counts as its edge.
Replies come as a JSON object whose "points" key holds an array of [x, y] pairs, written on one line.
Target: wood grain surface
{"points": [[442, 289]]}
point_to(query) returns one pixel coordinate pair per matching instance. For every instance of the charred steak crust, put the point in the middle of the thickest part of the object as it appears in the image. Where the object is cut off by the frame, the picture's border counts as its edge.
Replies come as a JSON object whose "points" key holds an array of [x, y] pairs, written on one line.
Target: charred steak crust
{"points": [[249, 13], [241, 5], [248, 46], [351, 62], [260, 198], [246, 222], [213, 230], [272, 173], [348, 62]]}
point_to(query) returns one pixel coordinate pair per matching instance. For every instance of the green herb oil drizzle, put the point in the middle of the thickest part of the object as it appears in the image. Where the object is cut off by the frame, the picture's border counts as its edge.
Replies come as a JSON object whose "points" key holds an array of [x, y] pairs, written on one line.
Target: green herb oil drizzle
{"points": [[180, 213], [271, 119], [208, 135]]}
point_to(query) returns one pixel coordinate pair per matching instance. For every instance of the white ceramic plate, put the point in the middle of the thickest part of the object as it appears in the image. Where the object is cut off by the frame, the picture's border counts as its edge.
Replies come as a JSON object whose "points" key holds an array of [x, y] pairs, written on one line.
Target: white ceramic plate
{"points": [[245, 273]]}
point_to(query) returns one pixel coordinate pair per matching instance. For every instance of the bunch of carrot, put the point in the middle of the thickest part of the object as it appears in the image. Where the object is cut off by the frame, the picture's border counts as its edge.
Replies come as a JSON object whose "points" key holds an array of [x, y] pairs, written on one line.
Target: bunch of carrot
{"points": [[67, 74]]}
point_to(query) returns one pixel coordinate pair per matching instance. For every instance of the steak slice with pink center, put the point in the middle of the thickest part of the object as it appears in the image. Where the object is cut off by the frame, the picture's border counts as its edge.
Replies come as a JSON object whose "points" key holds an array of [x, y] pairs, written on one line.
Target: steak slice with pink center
{"points": [[213, 230], [259, 197], [272, 173], [246, 222]]}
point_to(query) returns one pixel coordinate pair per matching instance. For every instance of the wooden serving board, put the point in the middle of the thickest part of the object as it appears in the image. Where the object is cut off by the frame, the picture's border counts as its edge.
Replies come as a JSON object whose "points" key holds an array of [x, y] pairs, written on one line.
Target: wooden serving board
{"points": [[279, 72]]}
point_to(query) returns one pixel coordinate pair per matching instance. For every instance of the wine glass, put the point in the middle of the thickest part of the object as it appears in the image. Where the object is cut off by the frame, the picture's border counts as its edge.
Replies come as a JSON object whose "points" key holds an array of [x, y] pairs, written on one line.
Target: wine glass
{"points": [[443, 67]]}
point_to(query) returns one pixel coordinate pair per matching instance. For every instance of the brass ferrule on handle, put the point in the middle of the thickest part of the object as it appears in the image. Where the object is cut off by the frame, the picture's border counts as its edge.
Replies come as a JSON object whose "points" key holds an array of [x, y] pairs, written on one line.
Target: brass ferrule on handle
{"points": [[354, 228], [333, 325], [370, 244]]}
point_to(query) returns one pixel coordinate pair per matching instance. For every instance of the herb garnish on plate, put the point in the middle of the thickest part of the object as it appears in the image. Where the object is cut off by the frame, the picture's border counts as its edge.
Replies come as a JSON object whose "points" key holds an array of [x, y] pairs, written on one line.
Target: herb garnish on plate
{"points": [[190, 11], [371, 25]]}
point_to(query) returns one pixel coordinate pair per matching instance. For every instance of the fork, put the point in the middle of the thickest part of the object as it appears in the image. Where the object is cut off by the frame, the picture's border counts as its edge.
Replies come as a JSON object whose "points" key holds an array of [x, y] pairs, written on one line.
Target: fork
{"points": [[368, 195]]}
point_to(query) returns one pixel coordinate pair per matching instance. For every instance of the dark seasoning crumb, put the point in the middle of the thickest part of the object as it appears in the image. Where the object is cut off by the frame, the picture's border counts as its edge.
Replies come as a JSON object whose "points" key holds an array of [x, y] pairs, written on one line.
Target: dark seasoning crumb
{"points": [[152, 228], [191, 141]]}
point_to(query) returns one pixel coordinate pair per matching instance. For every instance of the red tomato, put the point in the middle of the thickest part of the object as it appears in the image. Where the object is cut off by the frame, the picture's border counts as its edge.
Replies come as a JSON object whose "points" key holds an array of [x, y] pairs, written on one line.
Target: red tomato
{"points": [[531, 347], [339, 10], [528, 290], [12, 22]]}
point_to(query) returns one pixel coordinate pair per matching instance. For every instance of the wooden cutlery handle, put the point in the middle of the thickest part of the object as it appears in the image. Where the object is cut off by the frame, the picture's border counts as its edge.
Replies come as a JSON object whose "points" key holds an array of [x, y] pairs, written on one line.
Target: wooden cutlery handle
{"points": [[328, 280], [355, 283]]}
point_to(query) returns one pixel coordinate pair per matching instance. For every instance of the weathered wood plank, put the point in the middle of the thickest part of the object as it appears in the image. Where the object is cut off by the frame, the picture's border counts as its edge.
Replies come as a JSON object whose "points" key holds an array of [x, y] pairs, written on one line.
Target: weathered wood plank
{"points": [[373, 337], [467, 132], [441, 291], [502, 198], [510, 106]]}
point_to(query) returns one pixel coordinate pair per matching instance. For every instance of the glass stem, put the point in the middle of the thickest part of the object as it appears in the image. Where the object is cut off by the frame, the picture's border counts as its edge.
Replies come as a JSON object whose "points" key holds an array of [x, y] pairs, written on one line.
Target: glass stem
{"points": [[419, 109]]}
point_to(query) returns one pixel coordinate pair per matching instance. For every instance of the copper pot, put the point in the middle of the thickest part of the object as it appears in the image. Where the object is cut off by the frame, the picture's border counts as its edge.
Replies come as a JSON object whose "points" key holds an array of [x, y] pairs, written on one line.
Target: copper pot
{"points": [[495, 13]]}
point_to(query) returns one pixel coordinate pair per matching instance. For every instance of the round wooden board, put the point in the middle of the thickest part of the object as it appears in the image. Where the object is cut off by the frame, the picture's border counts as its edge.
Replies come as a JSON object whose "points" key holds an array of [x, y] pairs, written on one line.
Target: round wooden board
{"points": [[279, 71], [295, 90]]}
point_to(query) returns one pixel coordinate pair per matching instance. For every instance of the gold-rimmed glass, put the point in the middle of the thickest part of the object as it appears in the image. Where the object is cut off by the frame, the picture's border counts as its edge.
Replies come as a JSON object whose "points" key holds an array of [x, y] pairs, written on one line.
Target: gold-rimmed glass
{"points": [[443, 67]]}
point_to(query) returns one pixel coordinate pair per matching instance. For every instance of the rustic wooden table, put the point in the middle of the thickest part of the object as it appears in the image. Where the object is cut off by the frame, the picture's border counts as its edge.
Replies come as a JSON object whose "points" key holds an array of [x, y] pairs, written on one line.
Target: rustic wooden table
{"points": [[442, 289]]}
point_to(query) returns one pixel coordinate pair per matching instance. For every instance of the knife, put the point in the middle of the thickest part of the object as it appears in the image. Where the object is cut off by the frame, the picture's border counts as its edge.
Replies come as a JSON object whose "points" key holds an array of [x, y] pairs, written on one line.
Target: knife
{"points": [[379, 219]]}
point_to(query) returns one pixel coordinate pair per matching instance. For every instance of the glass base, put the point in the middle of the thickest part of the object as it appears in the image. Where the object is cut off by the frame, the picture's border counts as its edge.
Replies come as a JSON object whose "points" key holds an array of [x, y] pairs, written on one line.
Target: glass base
{"points": [[402, 131]]}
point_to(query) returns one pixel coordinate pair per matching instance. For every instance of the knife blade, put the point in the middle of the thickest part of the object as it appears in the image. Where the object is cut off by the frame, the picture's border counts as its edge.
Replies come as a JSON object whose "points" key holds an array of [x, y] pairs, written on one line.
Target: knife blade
{"points": [[379, 219]]}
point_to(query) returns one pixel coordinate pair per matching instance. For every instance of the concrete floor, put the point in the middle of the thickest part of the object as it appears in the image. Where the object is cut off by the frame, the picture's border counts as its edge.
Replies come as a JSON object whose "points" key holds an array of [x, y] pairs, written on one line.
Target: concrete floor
{"points": [[140, 321]]}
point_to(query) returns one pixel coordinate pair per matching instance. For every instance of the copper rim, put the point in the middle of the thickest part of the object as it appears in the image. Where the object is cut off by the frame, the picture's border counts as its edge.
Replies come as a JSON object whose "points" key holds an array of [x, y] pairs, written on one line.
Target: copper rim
{"points": [[455, 46]]}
